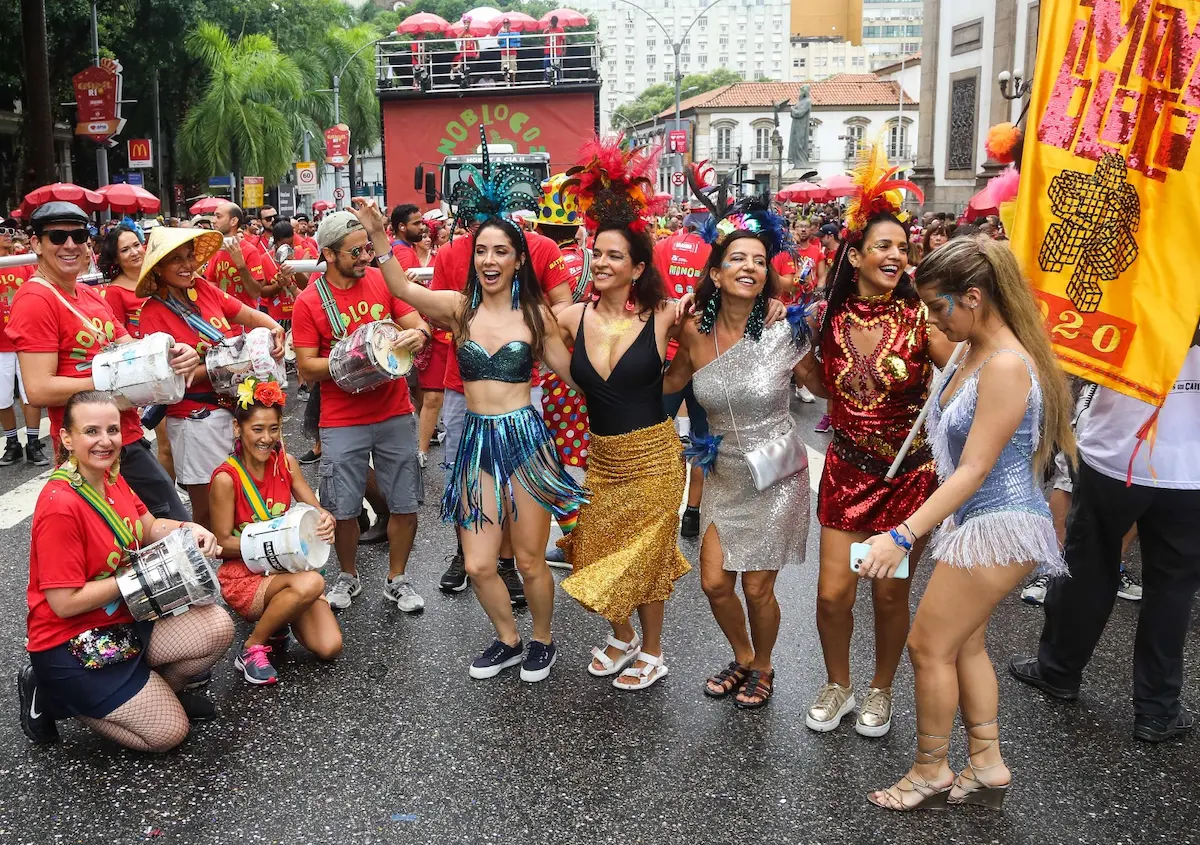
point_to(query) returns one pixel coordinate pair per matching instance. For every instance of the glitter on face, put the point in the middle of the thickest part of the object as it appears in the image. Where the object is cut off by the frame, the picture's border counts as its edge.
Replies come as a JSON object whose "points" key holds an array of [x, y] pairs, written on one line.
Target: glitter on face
{"points": [[949, 304]]}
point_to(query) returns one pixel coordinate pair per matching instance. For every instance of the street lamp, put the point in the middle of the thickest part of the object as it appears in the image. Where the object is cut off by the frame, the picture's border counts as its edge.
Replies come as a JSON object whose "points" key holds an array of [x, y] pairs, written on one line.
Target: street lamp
{"points": [[1020, 88], [337, 107]]}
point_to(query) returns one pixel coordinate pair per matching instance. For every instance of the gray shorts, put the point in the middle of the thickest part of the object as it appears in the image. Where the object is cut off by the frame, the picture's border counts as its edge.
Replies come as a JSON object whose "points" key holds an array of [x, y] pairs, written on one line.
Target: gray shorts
{"points": [[454, 413], [348, 451], [1060, 478]]}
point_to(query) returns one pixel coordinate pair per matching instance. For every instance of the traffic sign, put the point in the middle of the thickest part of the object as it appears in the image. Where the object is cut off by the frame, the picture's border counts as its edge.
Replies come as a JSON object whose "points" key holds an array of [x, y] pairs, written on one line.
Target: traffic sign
{"points": [[339, 194], [677, 179], [306, 177]]}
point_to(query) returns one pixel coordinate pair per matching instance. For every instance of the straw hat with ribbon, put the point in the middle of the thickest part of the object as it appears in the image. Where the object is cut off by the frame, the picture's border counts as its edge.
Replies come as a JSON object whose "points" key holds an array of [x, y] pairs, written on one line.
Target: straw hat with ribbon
{"points": [[163, 241]]}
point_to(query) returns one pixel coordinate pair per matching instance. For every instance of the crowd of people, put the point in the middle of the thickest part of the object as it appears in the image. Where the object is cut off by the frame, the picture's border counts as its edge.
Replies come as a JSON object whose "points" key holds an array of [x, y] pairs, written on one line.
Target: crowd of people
{"points": [[556, 351]]}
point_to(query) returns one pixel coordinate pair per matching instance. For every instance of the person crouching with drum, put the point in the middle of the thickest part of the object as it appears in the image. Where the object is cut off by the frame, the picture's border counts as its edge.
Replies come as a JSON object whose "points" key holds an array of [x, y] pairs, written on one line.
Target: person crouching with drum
{"points": [[89, 659], [260, 481]]}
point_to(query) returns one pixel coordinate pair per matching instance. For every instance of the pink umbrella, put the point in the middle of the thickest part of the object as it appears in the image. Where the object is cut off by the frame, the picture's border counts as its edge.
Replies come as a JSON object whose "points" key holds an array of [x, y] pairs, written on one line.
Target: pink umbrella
{"points": [[475, 28], [206, 205], [566, 17], [85, 198], [803, 192], [840, 185], [127, 199], [517, 22], [422, 23]]}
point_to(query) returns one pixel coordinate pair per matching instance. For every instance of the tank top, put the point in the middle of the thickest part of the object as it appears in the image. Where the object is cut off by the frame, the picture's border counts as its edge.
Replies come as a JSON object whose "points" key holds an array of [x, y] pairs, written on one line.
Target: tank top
{"points": [[275, 487], [512, 362], [632, 396]]}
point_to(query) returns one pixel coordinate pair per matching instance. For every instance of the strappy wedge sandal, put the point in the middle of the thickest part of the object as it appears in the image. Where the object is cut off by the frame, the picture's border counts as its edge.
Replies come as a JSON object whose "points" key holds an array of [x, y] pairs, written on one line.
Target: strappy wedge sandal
{"points": [[729, 680], [629, 651], [930, 797], [759, 687], [653, 670], [972, 789]]}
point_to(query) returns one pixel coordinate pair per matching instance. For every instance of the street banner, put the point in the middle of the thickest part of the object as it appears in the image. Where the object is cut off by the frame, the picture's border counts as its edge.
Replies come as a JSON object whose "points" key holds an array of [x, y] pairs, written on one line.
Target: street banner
{"points": [[287, 203], [139, 152], [1108, 190], [98, 101], [306, 177], [337, 145], [252, 192], [677, 141]]}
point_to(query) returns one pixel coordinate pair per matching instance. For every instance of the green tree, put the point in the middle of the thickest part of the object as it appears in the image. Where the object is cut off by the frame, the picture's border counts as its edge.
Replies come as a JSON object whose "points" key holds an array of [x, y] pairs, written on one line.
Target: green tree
{"points": [[243, 121], [659, 97]]}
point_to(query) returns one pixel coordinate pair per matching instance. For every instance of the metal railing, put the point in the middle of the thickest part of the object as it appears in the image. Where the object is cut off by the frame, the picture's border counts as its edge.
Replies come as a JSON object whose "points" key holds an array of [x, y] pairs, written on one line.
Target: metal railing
{"points": [[451, 64]]}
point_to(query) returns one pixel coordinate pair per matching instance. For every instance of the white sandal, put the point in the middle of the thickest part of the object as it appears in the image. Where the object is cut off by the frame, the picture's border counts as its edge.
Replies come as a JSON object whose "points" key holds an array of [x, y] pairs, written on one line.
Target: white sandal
{"points": [[629, 651], [646, 675]]}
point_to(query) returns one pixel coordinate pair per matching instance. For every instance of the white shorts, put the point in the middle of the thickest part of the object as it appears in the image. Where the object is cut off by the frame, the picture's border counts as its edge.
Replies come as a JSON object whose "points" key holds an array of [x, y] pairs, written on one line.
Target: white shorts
{"points": [[200, 446], [10, 372]]}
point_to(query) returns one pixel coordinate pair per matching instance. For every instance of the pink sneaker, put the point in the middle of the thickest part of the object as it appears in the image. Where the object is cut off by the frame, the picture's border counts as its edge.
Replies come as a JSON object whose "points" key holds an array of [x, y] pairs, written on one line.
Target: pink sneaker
{"points": [[254, 665], [823, 425]]}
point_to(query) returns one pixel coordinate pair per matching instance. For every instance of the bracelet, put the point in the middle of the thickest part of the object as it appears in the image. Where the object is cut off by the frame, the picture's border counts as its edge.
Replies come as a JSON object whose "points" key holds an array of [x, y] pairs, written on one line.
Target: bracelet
{"points": [[911, 533], [900, 540], [428, 336]]}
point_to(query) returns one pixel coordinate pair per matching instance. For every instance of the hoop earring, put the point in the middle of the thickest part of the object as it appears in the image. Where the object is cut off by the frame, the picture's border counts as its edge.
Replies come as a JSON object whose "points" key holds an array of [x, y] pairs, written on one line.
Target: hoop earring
{"points": [[757, 318], [708, 319]]}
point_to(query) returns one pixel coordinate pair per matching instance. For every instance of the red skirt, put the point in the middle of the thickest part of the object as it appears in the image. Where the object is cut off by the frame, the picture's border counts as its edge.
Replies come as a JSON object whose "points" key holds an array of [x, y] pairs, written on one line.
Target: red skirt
{"points": [[244, 591], [433, 376], [853, 499]]}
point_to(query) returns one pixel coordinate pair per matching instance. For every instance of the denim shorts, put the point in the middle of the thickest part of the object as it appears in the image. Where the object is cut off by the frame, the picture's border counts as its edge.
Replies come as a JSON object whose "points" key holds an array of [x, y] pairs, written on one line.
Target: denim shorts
{"points": [[347, 452]]}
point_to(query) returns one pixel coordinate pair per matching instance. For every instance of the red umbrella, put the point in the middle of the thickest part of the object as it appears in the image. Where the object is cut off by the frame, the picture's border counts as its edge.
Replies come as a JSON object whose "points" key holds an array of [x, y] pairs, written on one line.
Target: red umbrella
{"points": [[803, 192], [206, 205], [422, 23], [478, 29], [981, 205], [517, 22], [321, 205], [127, 199], [840, 185], [85, 198], [566, 17]]}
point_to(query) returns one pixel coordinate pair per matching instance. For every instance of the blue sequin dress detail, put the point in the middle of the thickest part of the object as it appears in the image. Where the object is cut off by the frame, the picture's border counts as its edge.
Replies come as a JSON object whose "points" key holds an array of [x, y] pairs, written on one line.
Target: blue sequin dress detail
{"points": [[1007, 520]]}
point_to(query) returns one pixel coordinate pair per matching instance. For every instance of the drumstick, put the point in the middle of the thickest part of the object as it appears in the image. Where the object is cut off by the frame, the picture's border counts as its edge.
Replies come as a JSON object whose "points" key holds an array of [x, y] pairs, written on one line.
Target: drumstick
{"points": [[933, 397]]}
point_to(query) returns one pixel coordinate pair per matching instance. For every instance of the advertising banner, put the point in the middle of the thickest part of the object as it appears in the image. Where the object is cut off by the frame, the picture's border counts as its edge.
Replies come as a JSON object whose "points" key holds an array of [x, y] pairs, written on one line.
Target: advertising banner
{"points": [[252, 192], [139, 152], [337, 145], [677, 141], [98, 101]]}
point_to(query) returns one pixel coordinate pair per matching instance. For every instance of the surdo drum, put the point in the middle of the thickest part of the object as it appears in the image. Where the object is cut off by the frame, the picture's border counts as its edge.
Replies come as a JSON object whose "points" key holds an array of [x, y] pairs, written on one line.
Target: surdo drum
{"points": [[287, 543], [140, 371]]}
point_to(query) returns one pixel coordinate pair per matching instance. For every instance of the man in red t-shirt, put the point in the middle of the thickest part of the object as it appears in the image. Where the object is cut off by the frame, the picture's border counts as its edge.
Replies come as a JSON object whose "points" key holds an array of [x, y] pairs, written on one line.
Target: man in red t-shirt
{"points": [[57, 324], [556, 41], [240, 268], [408, 227], [377, 426], [12, 278], [808, 247]]}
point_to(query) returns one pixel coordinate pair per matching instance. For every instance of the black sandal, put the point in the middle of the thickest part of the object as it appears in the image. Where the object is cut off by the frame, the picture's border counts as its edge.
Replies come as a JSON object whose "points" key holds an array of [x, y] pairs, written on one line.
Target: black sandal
{"points": [[759, 687], [729, 679]]}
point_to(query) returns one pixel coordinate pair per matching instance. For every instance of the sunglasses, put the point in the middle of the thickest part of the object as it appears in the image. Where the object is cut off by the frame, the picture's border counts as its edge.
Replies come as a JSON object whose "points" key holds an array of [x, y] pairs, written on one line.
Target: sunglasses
{"points": [[58, 237], [5, 232], [359, 250]]}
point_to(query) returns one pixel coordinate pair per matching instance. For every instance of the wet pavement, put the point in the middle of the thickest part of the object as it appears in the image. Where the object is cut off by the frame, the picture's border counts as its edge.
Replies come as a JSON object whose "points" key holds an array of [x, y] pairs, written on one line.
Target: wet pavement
{"points": [[393, 743]]}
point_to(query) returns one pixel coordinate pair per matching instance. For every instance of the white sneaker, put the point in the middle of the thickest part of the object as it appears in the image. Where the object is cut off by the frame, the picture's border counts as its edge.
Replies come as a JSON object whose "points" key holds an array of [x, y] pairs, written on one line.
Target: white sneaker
{"points": [[400, 590], [1129, 589], [1035, 590], [345, 588], [805, 395]]}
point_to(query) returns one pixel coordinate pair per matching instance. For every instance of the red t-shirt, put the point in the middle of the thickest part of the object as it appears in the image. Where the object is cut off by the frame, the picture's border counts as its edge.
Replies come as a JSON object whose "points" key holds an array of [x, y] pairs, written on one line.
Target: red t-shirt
{"points": [[71, 546], [405, 254], [367, 301], [453, 263], [812, 250], [680, 260], [126, 307], [275, 487], [222, 272], [555, 38], [41, 323], [11, 278], [215, 307]]}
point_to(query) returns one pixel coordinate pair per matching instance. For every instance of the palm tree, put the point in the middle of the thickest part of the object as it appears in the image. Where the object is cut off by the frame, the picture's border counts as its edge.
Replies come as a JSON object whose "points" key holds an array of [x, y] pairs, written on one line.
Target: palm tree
{"points": [[245, 120]]}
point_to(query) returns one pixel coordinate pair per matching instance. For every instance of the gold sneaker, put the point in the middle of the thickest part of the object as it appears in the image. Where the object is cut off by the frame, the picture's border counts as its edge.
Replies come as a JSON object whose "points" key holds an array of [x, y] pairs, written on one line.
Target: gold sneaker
{"points": [[833, 702], [875, 715]]}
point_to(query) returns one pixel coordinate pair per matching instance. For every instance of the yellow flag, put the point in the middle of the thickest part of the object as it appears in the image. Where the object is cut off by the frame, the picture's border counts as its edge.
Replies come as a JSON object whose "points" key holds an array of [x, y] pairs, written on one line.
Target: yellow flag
{"points": [[1106, 217]]}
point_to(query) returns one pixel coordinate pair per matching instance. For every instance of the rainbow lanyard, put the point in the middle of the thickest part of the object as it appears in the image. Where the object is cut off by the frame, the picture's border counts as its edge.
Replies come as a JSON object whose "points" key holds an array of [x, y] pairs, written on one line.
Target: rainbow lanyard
{"points": [[257, 503], [100, 505]]}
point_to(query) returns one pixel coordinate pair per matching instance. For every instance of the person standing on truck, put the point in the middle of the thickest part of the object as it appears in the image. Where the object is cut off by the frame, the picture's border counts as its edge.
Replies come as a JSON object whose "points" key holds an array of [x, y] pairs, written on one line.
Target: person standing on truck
{"points": [[556, 41], [510, 42], [468, 52]]}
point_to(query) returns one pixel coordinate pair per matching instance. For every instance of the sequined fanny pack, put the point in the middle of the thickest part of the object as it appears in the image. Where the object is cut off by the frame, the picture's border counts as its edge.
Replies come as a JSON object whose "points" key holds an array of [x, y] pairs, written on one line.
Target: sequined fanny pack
{"points": [[99, 648]]}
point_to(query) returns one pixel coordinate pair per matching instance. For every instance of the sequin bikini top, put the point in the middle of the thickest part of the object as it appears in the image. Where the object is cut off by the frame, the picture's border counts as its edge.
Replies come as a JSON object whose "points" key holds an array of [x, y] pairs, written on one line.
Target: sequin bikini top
{"points": [[512, 362]]}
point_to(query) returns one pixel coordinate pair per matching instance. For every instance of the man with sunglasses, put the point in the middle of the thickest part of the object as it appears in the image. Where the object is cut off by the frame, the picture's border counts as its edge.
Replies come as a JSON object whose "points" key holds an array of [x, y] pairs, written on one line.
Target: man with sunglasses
{"points": [[58, 323], [11, 278], [377, 426]]}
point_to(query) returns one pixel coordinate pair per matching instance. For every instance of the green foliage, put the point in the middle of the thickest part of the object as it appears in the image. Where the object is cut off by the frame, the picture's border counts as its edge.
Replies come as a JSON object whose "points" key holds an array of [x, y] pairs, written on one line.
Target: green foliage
{"points": [[660, 97]]}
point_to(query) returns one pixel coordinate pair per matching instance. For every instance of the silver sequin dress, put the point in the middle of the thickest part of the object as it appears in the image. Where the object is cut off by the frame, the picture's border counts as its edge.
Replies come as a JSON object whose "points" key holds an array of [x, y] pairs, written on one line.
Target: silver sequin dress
{"points": [[759, 531]]}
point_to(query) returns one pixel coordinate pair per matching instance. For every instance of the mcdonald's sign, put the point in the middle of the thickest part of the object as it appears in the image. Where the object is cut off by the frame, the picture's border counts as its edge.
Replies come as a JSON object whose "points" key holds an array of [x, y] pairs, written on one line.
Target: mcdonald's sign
{"points": [[139, 152]]}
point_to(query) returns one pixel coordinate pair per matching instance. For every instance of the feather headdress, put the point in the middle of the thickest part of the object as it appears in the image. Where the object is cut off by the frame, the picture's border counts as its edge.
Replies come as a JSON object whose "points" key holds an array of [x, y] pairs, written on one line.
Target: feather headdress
{"points": [[875, 191], [751, 214], [614, 186]]}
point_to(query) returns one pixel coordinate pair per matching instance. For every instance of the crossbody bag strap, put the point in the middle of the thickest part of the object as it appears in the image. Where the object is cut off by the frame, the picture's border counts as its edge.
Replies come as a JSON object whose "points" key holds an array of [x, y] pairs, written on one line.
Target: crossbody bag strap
{"points": [[100, 505], [250, 490], [725, 388], [585, 278], [331, 310], [99, 336], [193, 319]]}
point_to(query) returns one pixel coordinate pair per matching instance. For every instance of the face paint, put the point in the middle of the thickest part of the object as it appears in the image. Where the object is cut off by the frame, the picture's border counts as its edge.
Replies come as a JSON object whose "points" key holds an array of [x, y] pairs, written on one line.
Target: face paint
{"points": [[726, 264], [949, 303]]}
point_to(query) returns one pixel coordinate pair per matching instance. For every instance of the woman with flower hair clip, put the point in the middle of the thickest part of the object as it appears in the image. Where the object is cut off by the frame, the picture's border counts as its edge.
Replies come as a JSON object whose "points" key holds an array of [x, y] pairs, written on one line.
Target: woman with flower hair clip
{"points": [[260, 481]]}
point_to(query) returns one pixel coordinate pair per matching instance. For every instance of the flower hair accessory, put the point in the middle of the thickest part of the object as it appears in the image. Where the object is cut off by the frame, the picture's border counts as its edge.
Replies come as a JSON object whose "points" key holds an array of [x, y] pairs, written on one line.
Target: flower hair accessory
{"points": [[265, 392], [614, 186], [875, 191]]}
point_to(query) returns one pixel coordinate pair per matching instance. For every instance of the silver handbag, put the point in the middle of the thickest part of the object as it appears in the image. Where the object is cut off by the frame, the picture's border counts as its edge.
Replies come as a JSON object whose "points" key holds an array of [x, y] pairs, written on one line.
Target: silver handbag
{"points": [[776, 459]]}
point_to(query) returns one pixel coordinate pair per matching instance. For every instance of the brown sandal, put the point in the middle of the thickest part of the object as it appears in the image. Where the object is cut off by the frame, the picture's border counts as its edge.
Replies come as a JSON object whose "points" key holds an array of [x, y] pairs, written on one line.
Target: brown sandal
{"points": [[728, 680], [758, 688]]}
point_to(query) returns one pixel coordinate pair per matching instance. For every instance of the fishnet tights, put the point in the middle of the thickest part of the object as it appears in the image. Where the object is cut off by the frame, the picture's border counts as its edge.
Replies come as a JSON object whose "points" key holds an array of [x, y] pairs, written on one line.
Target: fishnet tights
{"points": [[180, 648]]}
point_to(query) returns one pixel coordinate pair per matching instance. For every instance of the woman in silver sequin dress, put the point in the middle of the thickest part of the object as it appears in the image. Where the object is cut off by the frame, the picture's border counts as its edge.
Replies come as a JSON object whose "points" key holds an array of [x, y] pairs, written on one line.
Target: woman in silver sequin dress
{"points": [[742, 375]]}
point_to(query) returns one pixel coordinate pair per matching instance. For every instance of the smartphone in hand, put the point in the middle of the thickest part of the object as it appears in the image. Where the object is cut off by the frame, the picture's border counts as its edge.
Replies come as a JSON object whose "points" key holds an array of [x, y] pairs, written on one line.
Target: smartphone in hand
{"points": [[859, 552]]}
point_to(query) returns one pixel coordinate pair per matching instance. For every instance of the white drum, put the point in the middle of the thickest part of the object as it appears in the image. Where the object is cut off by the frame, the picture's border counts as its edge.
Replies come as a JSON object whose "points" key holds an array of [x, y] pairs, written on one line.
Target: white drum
{"points": [[249, 354], [369, 357], [168, 577], [140, 371], [287, 543]]}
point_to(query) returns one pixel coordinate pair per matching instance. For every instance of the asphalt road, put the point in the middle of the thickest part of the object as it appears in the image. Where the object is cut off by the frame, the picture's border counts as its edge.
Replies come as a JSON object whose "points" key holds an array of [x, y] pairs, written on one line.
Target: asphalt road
{"points": [[395, 744]]}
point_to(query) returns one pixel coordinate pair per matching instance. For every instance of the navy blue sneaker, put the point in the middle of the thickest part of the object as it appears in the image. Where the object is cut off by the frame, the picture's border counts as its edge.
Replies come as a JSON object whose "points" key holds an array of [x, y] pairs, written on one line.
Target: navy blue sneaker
{"points": [[35, 722], [538, 662], [496, 659]]}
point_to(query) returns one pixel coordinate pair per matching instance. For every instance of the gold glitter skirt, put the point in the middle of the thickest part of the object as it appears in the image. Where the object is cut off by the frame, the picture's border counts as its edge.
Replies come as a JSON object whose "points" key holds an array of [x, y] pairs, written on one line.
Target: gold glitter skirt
{"points": [[625, 550]]}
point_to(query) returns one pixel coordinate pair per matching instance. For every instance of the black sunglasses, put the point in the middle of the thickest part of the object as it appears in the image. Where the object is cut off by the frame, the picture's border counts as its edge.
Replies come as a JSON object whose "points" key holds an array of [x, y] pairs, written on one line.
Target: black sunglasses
{"points": [[58, 237]]}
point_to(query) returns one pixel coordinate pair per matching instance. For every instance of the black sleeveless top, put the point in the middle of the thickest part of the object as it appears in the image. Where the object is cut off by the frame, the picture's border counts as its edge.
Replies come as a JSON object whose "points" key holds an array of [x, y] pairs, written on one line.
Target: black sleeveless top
{"points": [[632, 397], [513, 362]]}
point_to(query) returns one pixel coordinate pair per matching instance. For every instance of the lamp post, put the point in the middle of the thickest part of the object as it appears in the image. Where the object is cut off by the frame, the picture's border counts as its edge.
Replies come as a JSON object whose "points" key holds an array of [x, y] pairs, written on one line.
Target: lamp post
{"points": [[1020, 87], [337, 106]]}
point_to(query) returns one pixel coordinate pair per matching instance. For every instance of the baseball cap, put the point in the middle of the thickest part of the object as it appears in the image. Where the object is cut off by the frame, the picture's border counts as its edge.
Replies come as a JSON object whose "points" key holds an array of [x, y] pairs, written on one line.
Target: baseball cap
{"points": [[830, 229], [57, 212], [334, 227]]}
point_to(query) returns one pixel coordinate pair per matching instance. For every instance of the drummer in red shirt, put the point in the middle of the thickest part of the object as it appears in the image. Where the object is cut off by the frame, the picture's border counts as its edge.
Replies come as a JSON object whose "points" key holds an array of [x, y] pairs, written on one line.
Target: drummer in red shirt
{"points": [[58, 324], [239, 268], [12, 278], [377, 426]]}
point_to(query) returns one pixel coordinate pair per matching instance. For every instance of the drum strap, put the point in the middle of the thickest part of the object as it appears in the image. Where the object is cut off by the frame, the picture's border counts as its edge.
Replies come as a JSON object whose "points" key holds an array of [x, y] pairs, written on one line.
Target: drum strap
{"points": [[331, 309], [257, 503], [191, 317], [100, 505], [101, 339]]}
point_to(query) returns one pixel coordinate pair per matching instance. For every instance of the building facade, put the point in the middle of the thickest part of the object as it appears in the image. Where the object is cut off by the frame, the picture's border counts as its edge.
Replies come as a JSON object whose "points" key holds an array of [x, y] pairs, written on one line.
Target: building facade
{"points": [[891, 29], [829, 19], [815, 59]]}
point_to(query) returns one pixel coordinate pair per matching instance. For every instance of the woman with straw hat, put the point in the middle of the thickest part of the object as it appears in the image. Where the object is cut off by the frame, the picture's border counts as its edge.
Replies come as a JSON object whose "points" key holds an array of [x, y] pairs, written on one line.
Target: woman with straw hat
{"points": [[193, 311]]}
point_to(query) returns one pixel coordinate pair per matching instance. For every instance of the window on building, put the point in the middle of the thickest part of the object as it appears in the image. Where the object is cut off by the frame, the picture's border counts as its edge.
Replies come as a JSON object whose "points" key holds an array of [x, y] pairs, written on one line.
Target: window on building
{"points": [[742, 73], [839, 61], [684, 58], [855, 136], [741, 44], [820, 61], [777, 23], [857, 61], [667, 76], [702, 22], [650, 61], [897, 141], [650, 42], [723, 61], [723, 41], [762, 143], [724, 143], [909, 48], [803, 61], [702, 61], [612, 67], [960, 151], [795, 63]]}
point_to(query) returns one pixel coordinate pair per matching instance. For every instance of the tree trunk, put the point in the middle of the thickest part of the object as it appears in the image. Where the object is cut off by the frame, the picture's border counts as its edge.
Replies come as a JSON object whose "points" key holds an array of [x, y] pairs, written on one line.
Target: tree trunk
{"points": [[39, 127]]}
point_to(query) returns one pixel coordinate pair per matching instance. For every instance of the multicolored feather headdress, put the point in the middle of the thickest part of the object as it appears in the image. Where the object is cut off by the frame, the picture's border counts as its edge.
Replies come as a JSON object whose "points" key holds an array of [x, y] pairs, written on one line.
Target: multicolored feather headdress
{"points": [[751, 214], [615, 186], [876, 192]]}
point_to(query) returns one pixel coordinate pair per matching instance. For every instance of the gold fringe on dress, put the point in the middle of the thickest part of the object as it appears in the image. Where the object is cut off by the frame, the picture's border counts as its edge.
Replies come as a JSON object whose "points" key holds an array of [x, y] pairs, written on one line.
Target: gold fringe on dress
{"points": [[625, 550]]}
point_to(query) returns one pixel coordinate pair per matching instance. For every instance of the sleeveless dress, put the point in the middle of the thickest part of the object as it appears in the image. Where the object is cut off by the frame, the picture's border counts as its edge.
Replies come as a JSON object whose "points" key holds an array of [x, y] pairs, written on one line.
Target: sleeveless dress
{"points": [[759, 530], [1007, 520]]}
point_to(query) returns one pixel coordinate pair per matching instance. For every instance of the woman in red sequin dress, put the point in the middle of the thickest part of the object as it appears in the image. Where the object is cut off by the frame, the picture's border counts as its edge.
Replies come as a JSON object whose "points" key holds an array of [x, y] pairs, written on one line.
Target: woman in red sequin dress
{"points": [[877, 350]]}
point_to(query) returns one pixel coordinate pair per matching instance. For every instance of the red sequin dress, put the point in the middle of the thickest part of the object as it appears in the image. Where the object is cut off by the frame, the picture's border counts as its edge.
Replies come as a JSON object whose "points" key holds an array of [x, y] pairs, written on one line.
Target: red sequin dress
{"points": [[876, 392]]}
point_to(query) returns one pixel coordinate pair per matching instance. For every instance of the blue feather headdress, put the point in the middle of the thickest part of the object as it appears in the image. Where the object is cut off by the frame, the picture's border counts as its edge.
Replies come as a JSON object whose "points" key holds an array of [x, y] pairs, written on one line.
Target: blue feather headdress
{"points": [[752, 214], [494, 190]]}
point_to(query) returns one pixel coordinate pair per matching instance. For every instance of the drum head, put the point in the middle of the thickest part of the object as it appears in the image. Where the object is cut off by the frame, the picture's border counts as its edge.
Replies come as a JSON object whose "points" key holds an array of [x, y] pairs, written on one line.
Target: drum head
{"points": [[387, 356]]}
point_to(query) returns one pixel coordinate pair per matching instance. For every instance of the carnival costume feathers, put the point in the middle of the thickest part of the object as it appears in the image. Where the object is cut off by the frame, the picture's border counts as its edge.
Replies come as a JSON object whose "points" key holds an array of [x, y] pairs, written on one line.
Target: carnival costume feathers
{"points": [[751, 214], [876, 192], [614, 186]]}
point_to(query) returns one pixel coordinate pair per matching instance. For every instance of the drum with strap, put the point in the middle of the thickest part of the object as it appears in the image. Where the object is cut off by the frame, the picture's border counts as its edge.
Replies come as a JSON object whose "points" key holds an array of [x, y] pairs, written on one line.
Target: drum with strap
{"points": [[230, 362], [168, 577], [287, 543], [140, 371], [368, 357]]}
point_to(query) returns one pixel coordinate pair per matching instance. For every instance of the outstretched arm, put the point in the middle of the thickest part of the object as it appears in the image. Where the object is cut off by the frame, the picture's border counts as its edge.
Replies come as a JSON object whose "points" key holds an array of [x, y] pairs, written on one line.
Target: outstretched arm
{"points": [[555, 354]]}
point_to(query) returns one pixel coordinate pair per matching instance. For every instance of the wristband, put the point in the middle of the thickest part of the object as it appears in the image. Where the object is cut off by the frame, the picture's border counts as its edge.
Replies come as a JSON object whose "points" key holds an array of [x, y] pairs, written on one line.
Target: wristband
{"points": [[900, 540]]}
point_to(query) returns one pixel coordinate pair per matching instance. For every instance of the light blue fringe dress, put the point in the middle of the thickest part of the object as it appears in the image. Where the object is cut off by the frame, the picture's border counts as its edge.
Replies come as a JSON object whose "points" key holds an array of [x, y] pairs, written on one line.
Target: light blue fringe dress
{"points": [[1007, 520]]}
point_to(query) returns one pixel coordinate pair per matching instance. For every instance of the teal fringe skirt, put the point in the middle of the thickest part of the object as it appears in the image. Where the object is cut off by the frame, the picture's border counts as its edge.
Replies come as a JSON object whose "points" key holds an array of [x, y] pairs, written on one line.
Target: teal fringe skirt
{"points": [[513, 446]]}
